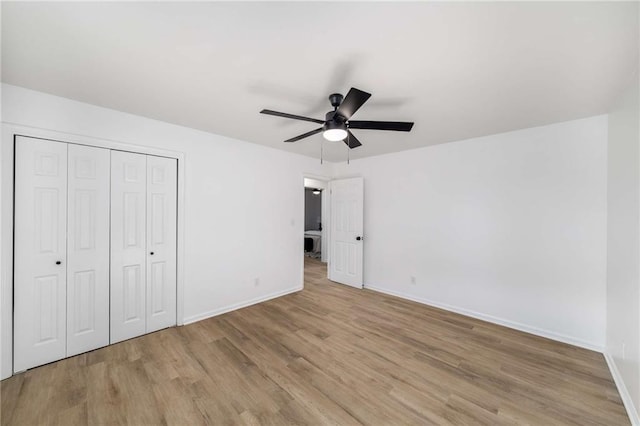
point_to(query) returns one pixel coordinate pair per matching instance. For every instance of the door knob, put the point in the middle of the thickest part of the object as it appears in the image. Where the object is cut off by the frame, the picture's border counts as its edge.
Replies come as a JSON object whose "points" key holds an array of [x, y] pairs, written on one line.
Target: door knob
{"points": [[358, 238], [58, 262], [151, 253]]}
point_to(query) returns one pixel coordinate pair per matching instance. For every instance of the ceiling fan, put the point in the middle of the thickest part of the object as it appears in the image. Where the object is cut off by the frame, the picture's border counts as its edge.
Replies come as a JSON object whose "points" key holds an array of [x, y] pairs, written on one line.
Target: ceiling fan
{"points": [[337, 123]]}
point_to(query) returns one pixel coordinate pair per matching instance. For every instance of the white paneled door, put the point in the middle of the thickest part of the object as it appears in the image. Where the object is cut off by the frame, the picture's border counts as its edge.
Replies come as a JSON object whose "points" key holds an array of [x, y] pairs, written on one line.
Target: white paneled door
{"points": [[128, 245], [162, 174], [143, 244], [40, 257], [87, 249], [95, 248], [346, 238]]}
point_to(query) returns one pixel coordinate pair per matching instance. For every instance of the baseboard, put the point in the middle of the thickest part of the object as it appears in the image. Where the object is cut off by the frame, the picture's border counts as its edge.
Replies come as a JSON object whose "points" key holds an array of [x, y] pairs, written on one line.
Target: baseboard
{"points": [[199, 317], [495, 320], [622, 390]]}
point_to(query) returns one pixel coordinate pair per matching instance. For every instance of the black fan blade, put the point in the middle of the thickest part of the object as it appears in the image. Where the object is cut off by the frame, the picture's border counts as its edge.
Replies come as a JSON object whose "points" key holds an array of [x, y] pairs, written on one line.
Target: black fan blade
{"points": [[400, 126], [352, 102], [351, 140], [295, 117], [297, 138]]}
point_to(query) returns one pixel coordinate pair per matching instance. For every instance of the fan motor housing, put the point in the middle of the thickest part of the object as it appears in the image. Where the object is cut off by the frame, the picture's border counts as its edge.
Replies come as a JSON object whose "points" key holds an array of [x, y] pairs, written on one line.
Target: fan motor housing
{"points": [[329, 116]]}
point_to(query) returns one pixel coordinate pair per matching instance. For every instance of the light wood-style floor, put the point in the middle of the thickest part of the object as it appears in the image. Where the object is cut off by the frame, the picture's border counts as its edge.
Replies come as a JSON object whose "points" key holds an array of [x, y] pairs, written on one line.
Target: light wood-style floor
{"points": [[327, 355]]}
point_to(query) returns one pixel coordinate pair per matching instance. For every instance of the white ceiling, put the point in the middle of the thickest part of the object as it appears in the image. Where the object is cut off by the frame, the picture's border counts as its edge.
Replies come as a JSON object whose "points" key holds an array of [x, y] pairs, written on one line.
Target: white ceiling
{"points": [[458, 70]]}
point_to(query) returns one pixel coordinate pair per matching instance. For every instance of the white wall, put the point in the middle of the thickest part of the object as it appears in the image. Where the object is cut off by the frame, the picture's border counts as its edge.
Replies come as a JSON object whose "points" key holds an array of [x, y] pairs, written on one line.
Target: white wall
{"points": [[510, 227], [623, 245], [244, 203]]}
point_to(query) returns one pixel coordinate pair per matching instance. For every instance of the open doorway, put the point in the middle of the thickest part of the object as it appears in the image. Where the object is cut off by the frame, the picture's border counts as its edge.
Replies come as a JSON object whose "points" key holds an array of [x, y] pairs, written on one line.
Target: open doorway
{"points": [[316, 225], [334, 237], [313, 223]]}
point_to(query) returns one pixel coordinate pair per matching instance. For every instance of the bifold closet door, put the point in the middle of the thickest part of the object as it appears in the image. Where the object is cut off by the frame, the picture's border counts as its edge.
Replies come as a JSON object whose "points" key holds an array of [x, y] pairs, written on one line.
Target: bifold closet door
{"points": [[162, 177], [95, 248], [87, 249], [61, 279], [143, 244], [128, 245], [40, 278]]}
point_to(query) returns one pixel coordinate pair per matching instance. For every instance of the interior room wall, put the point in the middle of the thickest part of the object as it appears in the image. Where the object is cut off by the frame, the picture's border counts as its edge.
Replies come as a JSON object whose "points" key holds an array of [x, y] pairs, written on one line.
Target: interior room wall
{"points": [[312, 210], [243, 204], [510, 228], [623, 246]]}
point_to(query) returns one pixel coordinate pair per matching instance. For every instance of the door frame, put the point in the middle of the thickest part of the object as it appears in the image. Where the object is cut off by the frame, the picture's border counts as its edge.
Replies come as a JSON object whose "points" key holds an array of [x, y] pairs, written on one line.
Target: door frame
{"points": [[9, 132]]}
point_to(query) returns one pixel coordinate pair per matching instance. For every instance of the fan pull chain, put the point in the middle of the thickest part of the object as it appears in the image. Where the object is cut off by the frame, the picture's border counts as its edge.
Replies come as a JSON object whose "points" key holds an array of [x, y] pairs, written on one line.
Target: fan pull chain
{"points": [[321, 149], [348, 147]]}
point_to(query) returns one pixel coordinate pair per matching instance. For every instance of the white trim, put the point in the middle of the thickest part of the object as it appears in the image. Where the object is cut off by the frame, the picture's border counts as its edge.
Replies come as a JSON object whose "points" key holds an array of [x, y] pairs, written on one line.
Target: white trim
{"points": [[240, 305], [313, 176], [495, 320], [8, 131], [622, 389]]}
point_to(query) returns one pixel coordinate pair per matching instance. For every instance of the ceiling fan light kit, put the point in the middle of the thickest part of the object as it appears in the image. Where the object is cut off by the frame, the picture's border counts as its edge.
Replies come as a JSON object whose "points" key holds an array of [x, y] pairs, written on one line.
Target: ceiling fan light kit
{"points": [[336, 125], [334, 131]]}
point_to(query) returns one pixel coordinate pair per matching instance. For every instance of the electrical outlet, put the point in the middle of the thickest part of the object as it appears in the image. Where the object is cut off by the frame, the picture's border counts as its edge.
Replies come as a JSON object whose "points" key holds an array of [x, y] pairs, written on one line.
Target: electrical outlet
{"points": [[256, 282], [413, 280], [624, 351]]}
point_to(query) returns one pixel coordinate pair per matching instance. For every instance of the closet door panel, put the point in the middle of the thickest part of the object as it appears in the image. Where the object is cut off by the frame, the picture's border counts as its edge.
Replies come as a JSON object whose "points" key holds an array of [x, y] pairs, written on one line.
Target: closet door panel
{"points": [[128, 245], [161, 242], [40, 252], [88, 249]]}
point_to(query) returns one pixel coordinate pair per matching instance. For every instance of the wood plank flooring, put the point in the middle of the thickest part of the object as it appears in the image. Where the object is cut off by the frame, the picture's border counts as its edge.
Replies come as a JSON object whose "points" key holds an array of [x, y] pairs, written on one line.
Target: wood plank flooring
{"points": [[329, 354]]}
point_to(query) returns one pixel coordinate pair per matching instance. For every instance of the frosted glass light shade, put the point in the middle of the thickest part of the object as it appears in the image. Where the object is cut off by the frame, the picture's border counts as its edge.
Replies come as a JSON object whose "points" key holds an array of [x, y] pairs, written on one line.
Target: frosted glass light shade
{"points": [[335, 134]]}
